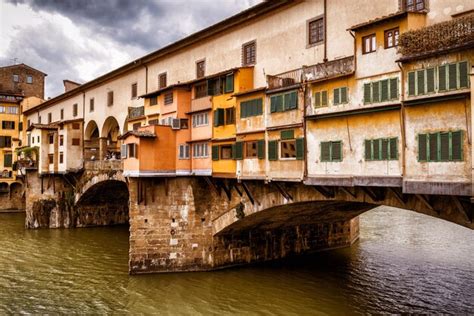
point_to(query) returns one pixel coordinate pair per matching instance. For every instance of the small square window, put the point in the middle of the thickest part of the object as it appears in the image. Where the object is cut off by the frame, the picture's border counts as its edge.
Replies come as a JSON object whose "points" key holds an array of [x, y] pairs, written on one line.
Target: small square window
{"points": [[168, 98], [16, 78], [29, 79], [162, 80], [369, 44], [91, 105], [391, 38], [134, 90], [288, 149], [249, 53], [226, 152], [200, 69], [316, 31], [110, 98]]}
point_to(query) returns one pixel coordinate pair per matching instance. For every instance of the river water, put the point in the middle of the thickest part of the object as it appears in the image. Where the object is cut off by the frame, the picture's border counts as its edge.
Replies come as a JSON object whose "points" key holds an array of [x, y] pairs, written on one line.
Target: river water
{"points": [[403, 262]]}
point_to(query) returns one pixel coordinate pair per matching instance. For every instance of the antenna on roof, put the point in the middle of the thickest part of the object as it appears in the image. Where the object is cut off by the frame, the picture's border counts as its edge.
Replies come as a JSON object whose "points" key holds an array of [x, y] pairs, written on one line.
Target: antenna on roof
{"points": [[14, 60]]}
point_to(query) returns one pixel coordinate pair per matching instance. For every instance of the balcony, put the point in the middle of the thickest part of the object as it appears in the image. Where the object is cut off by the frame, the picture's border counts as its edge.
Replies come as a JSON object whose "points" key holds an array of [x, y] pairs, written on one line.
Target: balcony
{"points": [[203, 103], [441, 37], [321, 71], [136, 112]]}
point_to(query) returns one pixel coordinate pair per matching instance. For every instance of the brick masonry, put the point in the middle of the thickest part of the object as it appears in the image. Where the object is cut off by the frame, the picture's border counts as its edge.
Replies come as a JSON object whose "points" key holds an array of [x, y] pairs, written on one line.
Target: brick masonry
{"points": [[36, 88]]}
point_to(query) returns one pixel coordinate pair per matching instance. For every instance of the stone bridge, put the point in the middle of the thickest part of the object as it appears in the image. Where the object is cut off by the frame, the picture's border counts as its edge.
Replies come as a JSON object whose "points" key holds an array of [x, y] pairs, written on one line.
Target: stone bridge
{"points": [[202, 223]]}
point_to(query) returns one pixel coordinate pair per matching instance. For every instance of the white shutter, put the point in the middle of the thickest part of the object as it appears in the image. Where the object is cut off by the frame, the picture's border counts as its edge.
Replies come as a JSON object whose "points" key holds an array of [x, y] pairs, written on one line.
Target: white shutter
{"points": [[123, 151]]}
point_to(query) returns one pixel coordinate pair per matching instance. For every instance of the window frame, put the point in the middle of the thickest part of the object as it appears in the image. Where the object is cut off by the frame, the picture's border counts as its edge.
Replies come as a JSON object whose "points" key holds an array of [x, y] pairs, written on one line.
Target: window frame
{"points": [[249, 58], [331, 143], [110, 98], [29, 79], [373, 42], [200, 68], [246, 151], [184, 152], [318, 41], [284, 141], [162, 80], [134, 90], [395, 37], [167, 99]]}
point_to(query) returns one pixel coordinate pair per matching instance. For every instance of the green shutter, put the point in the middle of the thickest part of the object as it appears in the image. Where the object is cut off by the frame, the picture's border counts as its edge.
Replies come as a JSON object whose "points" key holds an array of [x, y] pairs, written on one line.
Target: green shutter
{"points": [[215, 152], [442, 78], [337, 97], [259, 105], [261, 149], [457, 146], [367, 89], [444, 150], [411, 83], [344, 95], [463, 75], [420, 82], [292, 100], [336, 151], [229, 83], [243, 109], [272, 150], [325, 151], [422, 146], [273, 104], [221, 114], [239, 148], [279, 103], [433, 140], [430, 80], [288, 134], [216, 118], [376, 146], [452, 74], [300, 148], [324, 98], [394, 148], [286, 101], [384, 90], [7, 160], [368, 149], [384, 149], [376, 91], [393, 88], [317, 99]]}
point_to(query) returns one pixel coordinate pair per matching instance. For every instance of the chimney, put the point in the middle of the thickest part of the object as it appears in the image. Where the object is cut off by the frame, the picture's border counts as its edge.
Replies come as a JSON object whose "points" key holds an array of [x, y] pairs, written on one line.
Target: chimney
{"points": [[70, 85]]}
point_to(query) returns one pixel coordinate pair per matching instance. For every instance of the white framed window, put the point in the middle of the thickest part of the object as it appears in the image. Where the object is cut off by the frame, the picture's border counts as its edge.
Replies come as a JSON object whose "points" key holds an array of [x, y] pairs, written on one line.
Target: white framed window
{"points": [[201, 150], [184, 151], [200, 119], [29, 79]]}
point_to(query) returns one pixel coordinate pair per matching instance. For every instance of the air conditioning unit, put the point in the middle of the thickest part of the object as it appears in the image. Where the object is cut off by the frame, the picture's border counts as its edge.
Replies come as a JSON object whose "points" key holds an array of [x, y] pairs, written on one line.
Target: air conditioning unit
{"points": [[176, 124]]}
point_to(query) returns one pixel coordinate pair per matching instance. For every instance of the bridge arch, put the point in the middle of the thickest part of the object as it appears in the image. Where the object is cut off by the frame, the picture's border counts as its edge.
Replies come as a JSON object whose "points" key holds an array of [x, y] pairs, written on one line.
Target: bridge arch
{"points": [[91, 131], [109, 136]]}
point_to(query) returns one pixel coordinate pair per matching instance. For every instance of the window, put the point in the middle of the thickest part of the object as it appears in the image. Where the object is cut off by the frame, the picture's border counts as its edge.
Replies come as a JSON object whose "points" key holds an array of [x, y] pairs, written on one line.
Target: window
{"points": [[200, 150], [9, 109], [381, 91], [200, 68], [38, 139], [284, 102], [5, 141], [76, 141], [381, 149], [8, 124], [287, 149], [153, 100], [28, 123], [369, 44], [320, 99], [91, 105], [132, 150], [50, 117], [331, 151], [20, 126], [226, 152], [415, 5], [51, 158], [134, 90], [391, 38], [316, 31], [200, 119], [230, 116], [76, 126], [61, 140], [168, 98], [251, 108], [29, 79], [62, 114], [440, 146], [218, 117], [251, 149], [184, 151], [61, 157], [340, 95], [249, 53], [200, 90], [39, 119], [136, 126], [51, 138], [16, 78], [229, 83], [74, 109], [162, 80], [183, 123], [110, 98], [7, 160]]}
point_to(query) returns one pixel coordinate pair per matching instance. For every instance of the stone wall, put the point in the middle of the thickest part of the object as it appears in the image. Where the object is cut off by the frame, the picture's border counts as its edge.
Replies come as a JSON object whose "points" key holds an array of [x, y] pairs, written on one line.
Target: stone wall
{"points": [[14, 199]]}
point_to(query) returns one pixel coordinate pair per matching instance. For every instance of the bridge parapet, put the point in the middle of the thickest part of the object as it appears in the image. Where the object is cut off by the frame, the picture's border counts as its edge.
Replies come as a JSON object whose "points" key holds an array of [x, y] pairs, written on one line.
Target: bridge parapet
{"points": [[98, 165]]}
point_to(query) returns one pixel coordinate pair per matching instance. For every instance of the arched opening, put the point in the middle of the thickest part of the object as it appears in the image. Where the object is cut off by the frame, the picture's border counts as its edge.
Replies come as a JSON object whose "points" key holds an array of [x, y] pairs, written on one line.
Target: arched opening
{"points": [[4, 187], [109, 137], [91, 141], [105, 203]]}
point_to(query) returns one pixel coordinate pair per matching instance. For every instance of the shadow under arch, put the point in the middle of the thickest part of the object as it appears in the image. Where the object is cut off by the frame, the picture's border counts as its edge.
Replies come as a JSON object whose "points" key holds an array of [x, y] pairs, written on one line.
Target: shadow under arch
{"points": [[110, 133]]}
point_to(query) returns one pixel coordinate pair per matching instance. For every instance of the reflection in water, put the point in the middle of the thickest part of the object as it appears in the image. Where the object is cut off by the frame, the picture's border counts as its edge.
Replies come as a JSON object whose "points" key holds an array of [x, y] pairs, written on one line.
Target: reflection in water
{"points": [[404, 262]]}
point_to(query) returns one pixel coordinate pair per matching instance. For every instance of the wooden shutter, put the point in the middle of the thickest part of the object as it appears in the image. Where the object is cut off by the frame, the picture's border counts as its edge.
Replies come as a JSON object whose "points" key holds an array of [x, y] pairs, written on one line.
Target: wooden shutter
{"points": [[239, 149], [420, 82], [376, 92], [243, 109], [384, 90], [279, 103], [325, 151], [384, 149], [300, 148], [337, 96], [317, 99], [452, 74], [7, 160], [376, 146], [215, 152], [433, 146], [220, 116], [324, 98], [442, 78], [393, 148], [367, 89], [293, 100], [444, 139], [456, 146], [368, 149], [286, 101], [123, 151], [288, 134], [411, 83], [422, 145], [259, 105], [216, 118], [273, 102], [229, 83], [463, 75], [344, 95], [393, 88], [272, 150], [430, 80], [261, 149], [336, 151]]}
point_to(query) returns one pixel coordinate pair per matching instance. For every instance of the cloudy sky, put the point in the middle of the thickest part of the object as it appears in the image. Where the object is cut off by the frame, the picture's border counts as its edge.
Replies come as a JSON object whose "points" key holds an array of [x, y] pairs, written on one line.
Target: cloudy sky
{"points": [[81, 39]]}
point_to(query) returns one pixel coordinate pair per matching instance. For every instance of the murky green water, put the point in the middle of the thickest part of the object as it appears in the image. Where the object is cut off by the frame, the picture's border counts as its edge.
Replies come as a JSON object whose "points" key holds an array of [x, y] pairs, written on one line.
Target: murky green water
{"points": [[404, 262]]}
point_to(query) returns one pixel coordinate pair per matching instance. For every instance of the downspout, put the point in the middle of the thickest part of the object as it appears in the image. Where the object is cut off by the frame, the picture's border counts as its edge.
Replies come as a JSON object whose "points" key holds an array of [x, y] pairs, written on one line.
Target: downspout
{"points": [[83, 128], [325, 33], [355, 50], [305, 134], [146, 78], [402, 118]]}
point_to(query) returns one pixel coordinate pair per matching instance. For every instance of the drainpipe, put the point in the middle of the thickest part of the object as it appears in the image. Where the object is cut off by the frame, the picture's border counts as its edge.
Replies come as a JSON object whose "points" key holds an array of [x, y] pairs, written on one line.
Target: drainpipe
{"points": [[146, 78], [305, 142], [355, 50], [402, 118], [83, 127], [325, 32]]}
